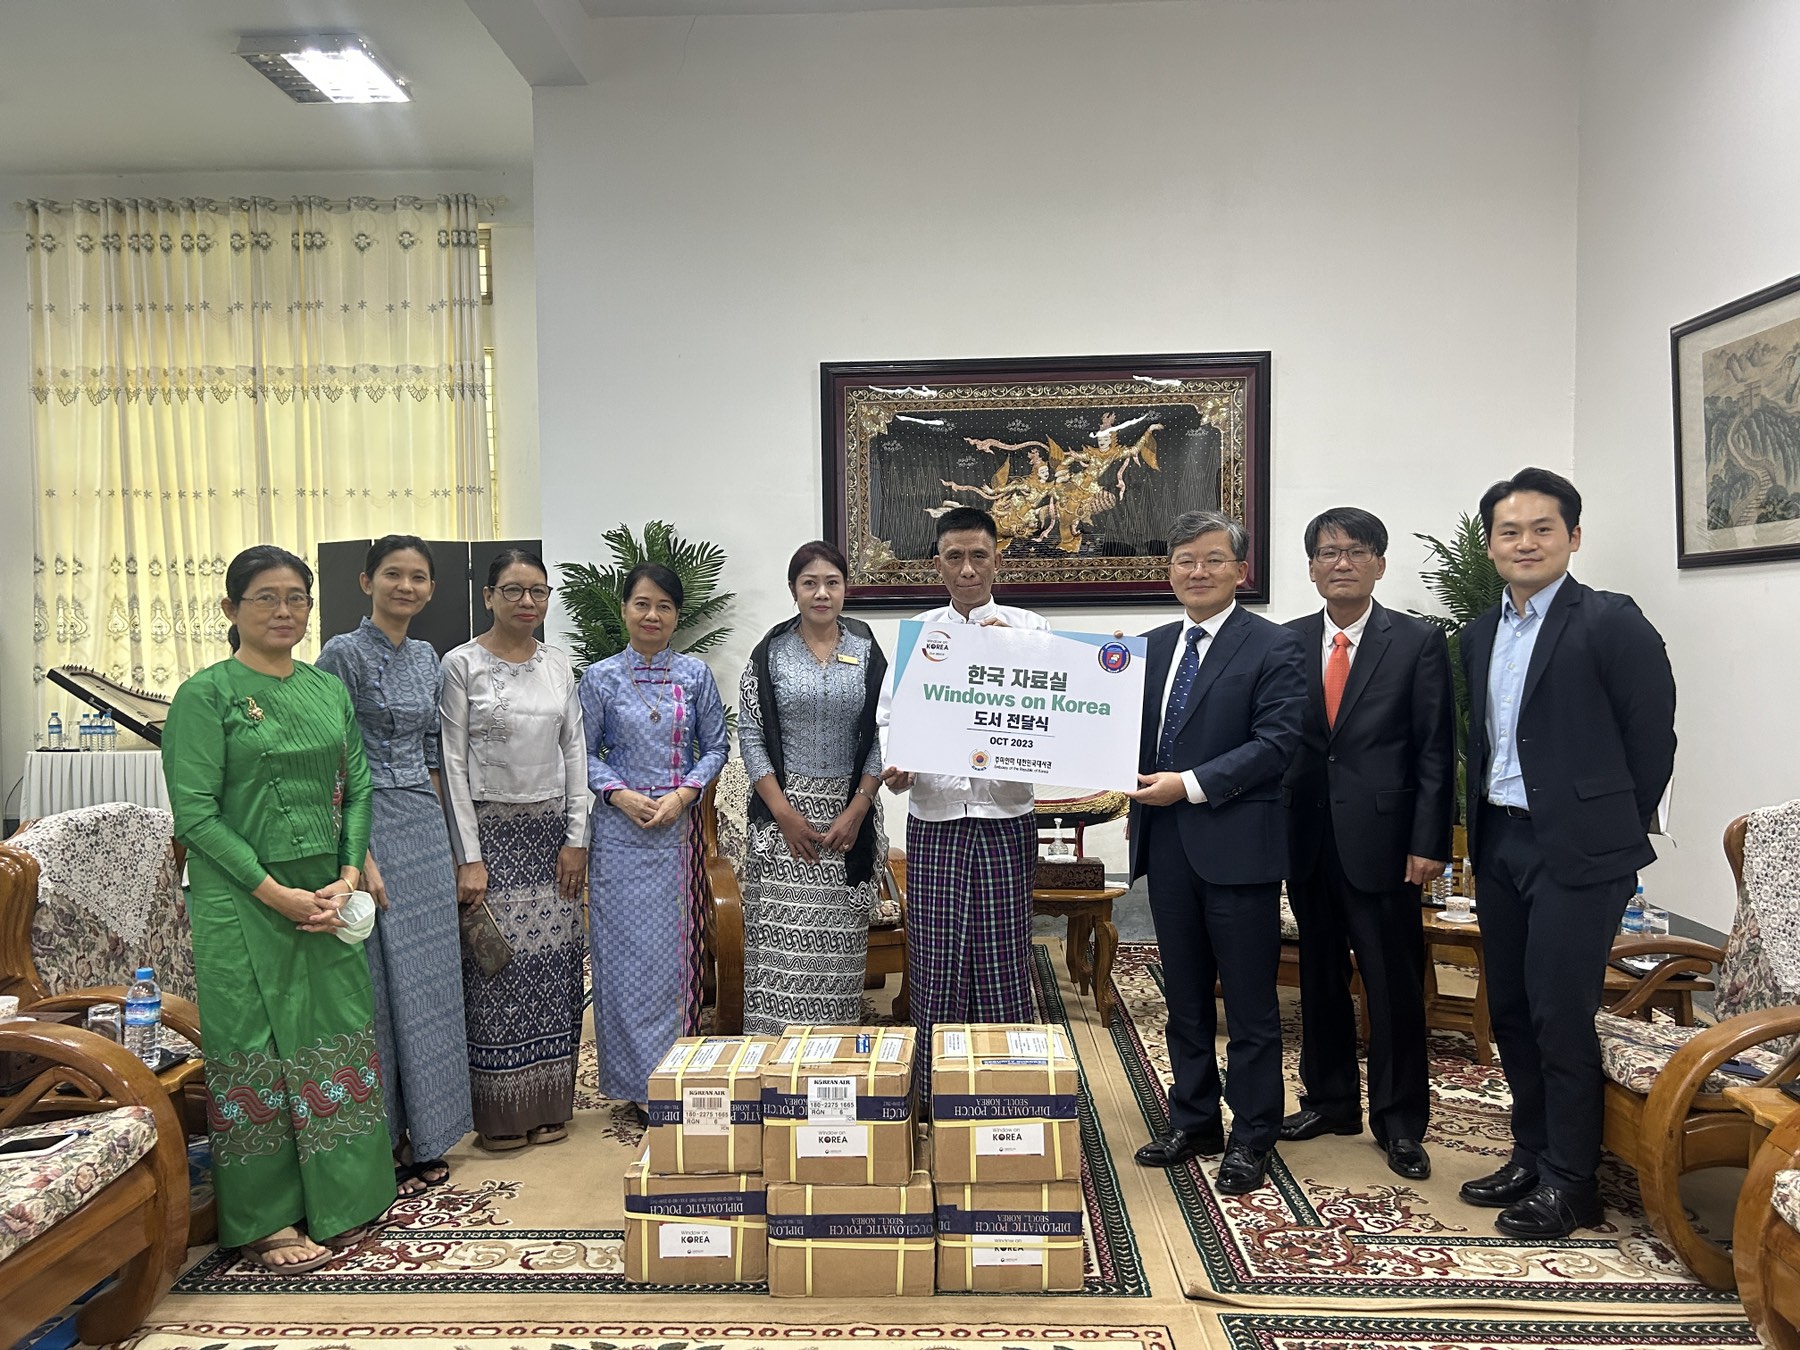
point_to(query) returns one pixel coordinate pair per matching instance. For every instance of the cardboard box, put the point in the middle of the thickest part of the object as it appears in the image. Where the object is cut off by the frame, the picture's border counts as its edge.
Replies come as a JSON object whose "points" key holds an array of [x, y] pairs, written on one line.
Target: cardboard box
{"points": [[694, 1229], [706, 1106], [838, 1106], [1009, 1237], [852, 1241], [1005, 1103]]}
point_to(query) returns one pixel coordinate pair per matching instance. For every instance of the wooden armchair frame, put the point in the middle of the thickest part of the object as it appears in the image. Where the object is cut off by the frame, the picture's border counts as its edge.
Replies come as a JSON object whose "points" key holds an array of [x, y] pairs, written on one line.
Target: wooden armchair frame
{"points": [[137, 1226], [1765, 1250], [1677, 1128]]}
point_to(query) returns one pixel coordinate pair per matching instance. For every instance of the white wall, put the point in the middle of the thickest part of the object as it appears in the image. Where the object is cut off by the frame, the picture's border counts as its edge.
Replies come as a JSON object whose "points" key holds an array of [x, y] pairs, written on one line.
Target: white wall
{"points": [[1688, 200], [1380, 193], [514, 303]]}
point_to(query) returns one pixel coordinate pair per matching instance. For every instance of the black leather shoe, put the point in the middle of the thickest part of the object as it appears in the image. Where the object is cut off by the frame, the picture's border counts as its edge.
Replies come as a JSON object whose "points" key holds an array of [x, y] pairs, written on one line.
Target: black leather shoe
{"points": [[1407, 1157], [1177, 1146], [1307, 1123], [1550, 1212], [1497, 1190], [1242, 1170]]}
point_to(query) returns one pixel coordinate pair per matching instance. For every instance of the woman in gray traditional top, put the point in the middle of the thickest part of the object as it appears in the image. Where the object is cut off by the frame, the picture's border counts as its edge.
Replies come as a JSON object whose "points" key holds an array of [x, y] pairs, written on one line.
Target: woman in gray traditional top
{"points": [[515, 769], [414, 957], [806, 729]]}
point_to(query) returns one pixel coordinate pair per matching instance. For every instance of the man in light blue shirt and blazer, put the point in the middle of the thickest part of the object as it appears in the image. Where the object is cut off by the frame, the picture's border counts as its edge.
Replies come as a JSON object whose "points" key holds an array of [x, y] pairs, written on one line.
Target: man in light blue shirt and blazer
{"points": [[1571, 743]]}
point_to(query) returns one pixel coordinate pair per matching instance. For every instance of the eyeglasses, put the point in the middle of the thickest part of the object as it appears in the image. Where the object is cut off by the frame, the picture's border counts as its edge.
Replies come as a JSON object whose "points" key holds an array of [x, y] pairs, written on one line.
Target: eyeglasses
{"points": [[513, 593], [1212, 562], [1356, 553], [267, 602]]}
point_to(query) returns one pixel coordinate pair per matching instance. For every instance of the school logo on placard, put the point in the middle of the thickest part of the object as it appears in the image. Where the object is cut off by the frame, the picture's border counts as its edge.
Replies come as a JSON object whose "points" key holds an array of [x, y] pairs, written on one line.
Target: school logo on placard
{"points": [[978, 760], [935, 645], [1114, 657]]}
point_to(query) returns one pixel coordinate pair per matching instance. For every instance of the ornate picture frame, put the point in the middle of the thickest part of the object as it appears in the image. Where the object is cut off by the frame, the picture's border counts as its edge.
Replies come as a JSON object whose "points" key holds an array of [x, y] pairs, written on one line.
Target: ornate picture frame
{"points": [[1737, 430], [1082, 460]]}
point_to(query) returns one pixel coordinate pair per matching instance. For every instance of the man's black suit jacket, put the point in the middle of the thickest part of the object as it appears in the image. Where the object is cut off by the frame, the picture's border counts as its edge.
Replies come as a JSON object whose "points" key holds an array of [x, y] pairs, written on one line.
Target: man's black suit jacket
{"points": [[1385, 774], [1238, 732], [1596, 736]]}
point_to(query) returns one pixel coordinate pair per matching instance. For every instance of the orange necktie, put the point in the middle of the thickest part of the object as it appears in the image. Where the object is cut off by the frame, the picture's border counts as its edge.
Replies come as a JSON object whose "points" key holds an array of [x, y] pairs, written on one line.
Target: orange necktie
{"points": [[1337, 675]]}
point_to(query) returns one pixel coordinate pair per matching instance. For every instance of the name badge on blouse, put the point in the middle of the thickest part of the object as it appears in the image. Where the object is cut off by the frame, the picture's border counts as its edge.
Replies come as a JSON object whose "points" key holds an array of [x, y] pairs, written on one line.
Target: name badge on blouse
{"points": [[848, 659]]}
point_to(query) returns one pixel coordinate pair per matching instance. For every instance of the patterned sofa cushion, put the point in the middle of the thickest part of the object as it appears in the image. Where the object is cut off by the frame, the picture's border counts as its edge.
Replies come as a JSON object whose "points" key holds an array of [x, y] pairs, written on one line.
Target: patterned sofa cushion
{"points": [[1290, 926], [1633, 1053], [1786, 1197], [36, 1193]]}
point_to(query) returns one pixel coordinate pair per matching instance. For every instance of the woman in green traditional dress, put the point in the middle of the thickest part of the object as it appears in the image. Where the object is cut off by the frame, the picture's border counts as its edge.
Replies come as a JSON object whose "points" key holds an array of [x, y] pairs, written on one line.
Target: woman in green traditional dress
{"points": [[271, 795]]}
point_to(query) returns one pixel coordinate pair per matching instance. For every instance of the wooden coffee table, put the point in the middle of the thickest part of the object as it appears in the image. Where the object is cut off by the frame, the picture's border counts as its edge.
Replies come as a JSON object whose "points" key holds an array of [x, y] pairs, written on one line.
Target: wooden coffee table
{"points": [[1089, 913], [1458, 1012]]}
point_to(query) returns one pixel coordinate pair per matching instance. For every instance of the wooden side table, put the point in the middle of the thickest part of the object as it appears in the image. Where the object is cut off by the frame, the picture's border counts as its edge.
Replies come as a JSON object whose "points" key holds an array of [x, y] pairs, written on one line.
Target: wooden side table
{"points": [[1767, 1107], [1089, 913], [1456, 1012]]}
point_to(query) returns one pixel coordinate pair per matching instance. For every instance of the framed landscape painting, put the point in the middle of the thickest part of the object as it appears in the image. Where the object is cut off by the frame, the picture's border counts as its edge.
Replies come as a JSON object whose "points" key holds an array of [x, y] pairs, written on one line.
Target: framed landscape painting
{"points": [[1083, 461], [1737, 430]]}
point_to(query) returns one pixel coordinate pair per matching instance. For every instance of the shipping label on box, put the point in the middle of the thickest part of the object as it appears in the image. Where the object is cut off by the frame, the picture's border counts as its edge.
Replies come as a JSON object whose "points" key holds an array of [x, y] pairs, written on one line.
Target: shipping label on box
{"points": [[1010, 1236], [837, 1106], [1005, 1103], [684, 1230], [859, 1241], [706, 1105]]}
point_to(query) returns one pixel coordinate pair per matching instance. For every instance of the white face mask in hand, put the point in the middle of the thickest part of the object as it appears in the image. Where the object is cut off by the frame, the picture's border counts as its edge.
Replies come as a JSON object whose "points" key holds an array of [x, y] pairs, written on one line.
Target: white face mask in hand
{"points": [[358, 914]]}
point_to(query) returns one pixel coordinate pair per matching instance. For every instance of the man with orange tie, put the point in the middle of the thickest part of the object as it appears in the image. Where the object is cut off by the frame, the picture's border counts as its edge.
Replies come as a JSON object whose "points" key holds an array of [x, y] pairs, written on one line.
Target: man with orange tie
{"points": [[1370, 795]]}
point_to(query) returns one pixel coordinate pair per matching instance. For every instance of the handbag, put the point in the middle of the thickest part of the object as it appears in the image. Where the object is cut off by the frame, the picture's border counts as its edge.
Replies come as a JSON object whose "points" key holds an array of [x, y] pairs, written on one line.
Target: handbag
{"points": [[484, 940]]}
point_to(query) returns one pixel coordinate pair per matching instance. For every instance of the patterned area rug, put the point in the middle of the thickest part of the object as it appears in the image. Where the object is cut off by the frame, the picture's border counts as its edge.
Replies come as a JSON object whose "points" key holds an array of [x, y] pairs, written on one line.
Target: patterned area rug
{"points": [[643, 1335], [463, 1238], [1337, 1225], [1257, 1331]]}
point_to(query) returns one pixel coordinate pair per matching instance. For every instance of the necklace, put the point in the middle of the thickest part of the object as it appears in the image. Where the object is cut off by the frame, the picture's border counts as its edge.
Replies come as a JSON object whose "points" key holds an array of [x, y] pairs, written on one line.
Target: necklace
{"points": [[654, 709]]}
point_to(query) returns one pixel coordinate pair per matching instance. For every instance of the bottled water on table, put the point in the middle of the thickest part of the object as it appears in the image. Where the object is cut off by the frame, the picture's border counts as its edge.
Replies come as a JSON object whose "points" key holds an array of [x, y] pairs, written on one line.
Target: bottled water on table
{"points": [[143, 1016], [109, 732], [1634, 915], [53, 738]]}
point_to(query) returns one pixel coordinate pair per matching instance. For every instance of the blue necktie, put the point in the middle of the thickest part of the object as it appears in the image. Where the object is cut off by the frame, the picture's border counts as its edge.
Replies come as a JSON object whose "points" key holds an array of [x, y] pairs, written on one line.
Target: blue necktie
{"points": [[1178, 697]]}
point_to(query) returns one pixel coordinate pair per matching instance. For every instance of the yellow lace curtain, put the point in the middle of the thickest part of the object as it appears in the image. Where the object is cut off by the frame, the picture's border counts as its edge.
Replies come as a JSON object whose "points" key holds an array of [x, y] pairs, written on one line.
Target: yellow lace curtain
{"points": [[212, 374]]}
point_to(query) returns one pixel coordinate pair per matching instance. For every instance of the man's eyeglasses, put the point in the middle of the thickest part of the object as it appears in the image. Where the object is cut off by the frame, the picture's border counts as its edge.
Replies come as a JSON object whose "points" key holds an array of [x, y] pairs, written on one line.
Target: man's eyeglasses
{"points": [[1212, 562], [267, 602], [512, 593], [1356, 553]]}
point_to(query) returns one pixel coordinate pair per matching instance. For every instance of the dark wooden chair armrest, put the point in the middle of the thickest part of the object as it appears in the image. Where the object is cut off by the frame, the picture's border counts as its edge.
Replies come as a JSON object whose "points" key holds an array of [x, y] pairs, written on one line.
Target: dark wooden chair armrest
{"points": [[728, 946], [1666, 945]]}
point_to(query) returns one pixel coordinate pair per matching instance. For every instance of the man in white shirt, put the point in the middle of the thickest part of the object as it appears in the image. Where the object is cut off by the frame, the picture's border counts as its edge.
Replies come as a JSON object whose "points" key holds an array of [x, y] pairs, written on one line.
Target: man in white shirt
{"points": [[971, 844]]}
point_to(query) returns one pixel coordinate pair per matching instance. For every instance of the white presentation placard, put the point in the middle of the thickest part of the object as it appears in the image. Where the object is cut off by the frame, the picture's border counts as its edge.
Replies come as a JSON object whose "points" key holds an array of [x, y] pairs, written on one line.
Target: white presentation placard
{"points": [[1040, 707]]}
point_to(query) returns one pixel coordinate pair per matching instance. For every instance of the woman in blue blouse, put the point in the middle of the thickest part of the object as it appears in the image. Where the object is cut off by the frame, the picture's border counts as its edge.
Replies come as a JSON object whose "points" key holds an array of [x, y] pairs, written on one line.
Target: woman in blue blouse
{"points": [[655, 738], [415, 957]]}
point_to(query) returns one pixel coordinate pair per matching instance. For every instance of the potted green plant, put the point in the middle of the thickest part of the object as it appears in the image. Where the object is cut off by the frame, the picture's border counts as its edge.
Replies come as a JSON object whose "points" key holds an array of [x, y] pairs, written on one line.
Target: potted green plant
{"points": [[1462, 577], [594, 596]]}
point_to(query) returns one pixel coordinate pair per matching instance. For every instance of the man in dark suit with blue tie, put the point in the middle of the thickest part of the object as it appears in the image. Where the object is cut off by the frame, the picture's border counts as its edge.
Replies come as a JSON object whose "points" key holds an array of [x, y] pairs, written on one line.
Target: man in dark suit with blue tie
{"points": [[1370, 796], [1224, 694], [1571, 743]]}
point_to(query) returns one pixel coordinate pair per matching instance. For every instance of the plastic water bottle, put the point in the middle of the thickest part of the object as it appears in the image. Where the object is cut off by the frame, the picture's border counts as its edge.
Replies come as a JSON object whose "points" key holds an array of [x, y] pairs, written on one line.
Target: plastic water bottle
{"points": [[1634, 916], [1443, 887], [84, 733], [53, 738], [109, 732], [143, 1016]]}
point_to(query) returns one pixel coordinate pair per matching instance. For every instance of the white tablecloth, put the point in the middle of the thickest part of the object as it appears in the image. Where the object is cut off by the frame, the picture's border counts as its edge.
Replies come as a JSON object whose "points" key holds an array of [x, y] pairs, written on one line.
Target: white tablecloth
{"points": [[60, 780]]}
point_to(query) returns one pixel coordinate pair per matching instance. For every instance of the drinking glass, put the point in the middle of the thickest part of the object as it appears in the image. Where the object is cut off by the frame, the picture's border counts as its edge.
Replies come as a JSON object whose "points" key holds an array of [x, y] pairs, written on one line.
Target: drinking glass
{"points": [[1656, 923], [106, 1019]]}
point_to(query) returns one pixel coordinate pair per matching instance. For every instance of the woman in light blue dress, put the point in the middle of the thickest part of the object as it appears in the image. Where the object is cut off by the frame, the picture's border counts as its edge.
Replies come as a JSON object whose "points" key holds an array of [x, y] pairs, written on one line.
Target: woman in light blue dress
{"points": [[655, 738], [415, 958]]}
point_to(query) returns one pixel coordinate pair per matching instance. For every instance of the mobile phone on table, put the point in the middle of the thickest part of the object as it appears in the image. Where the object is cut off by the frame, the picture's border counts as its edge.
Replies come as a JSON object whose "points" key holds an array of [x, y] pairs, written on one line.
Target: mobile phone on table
{"points": [[37, 1145]]}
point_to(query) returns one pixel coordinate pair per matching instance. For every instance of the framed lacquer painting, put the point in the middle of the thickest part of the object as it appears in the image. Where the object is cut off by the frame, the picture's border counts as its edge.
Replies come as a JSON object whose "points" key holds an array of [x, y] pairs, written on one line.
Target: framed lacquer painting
{"points": [[1083, 461]]}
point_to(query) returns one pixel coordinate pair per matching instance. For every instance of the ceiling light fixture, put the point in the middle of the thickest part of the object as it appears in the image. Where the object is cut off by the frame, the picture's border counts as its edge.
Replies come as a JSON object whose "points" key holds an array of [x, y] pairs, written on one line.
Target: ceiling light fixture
{"points": [[323, 67]]}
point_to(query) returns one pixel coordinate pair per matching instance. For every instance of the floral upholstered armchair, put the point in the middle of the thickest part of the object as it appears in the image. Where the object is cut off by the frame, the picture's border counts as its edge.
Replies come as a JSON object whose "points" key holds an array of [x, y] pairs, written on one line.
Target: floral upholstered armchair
{"points": [[86, 897], [1666, 1114]]}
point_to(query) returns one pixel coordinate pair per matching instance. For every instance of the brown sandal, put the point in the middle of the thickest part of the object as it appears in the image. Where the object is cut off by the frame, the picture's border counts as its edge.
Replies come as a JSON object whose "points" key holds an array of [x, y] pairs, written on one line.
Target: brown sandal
{"points": [[263, 1247], [501, 1143], [548, 1134]]}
